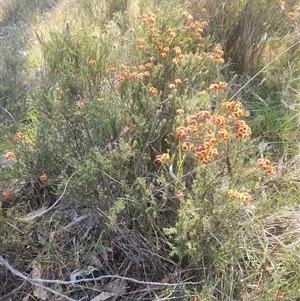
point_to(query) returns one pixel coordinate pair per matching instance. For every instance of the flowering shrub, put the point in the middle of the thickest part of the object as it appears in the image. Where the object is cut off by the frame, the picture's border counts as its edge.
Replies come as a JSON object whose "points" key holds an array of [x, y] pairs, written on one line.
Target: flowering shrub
{"points": [[135, 122]]}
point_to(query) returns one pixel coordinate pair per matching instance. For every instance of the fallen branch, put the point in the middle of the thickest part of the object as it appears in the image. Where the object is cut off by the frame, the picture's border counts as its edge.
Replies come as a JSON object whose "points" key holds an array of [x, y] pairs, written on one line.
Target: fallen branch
{"points": [[36, 280]]}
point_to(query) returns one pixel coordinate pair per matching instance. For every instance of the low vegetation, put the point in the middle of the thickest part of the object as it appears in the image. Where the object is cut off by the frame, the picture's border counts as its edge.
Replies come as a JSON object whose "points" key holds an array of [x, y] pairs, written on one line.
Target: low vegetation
{"points": [[150, 150]]}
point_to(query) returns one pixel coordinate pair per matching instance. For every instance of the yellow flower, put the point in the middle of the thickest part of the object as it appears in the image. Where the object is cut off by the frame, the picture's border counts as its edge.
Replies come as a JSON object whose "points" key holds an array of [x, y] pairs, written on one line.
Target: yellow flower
{"points": [[180, 111]]}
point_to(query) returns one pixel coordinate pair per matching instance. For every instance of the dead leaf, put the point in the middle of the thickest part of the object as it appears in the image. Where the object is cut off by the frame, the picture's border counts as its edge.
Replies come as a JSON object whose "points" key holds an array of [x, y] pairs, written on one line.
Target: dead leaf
{"points": [[32, 215], [36, 273]]}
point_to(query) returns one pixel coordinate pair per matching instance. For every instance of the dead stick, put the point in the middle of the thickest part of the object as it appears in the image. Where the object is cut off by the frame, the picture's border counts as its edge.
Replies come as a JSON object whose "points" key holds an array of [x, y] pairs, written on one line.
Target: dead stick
{"points": [[37, 280]]}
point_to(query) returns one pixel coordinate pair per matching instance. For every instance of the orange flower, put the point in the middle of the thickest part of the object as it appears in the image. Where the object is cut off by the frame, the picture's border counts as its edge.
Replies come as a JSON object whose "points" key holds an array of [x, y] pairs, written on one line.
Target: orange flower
{"points": [[181, 132], [243, 132], [152, 91], [202, 115], [44, 177], [213, 87], [214, 152], [9, 155], [80, 104], [238, 112], [179, 195], [234, 194], [148, 66], [245, 198], [211, 140], [100, 99], [92, 62], [111, 68], [223, 134], [279, 295], [192, 129], [177, 81], [177, 50], [6, 194], [77, 114], [180, 111], [19, 136], [266, 165], [140, 41], [159, 46], [202, 93], [163, 158], [222, 85], [229, 105], [187, 146], [163, 55], [120, 78], [218, 119]]}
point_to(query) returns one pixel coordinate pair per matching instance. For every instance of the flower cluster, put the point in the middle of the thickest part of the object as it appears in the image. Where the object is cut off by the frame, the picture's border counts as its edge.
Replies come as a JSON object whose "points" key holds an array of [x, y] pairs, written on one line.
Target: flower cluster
{"points": [[205, 131], [220, 86], [163, 158], [206, 150], [266, 165], [242, 130], [244, 197], [216, 55]]}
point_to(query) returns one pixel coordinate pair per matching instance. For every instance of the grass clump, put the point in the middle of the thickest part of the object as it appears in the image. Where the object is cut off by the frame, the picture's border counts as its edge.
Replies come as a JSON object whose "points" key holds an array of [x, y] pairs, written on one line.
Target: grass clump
{"points": [[136, 163]]}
